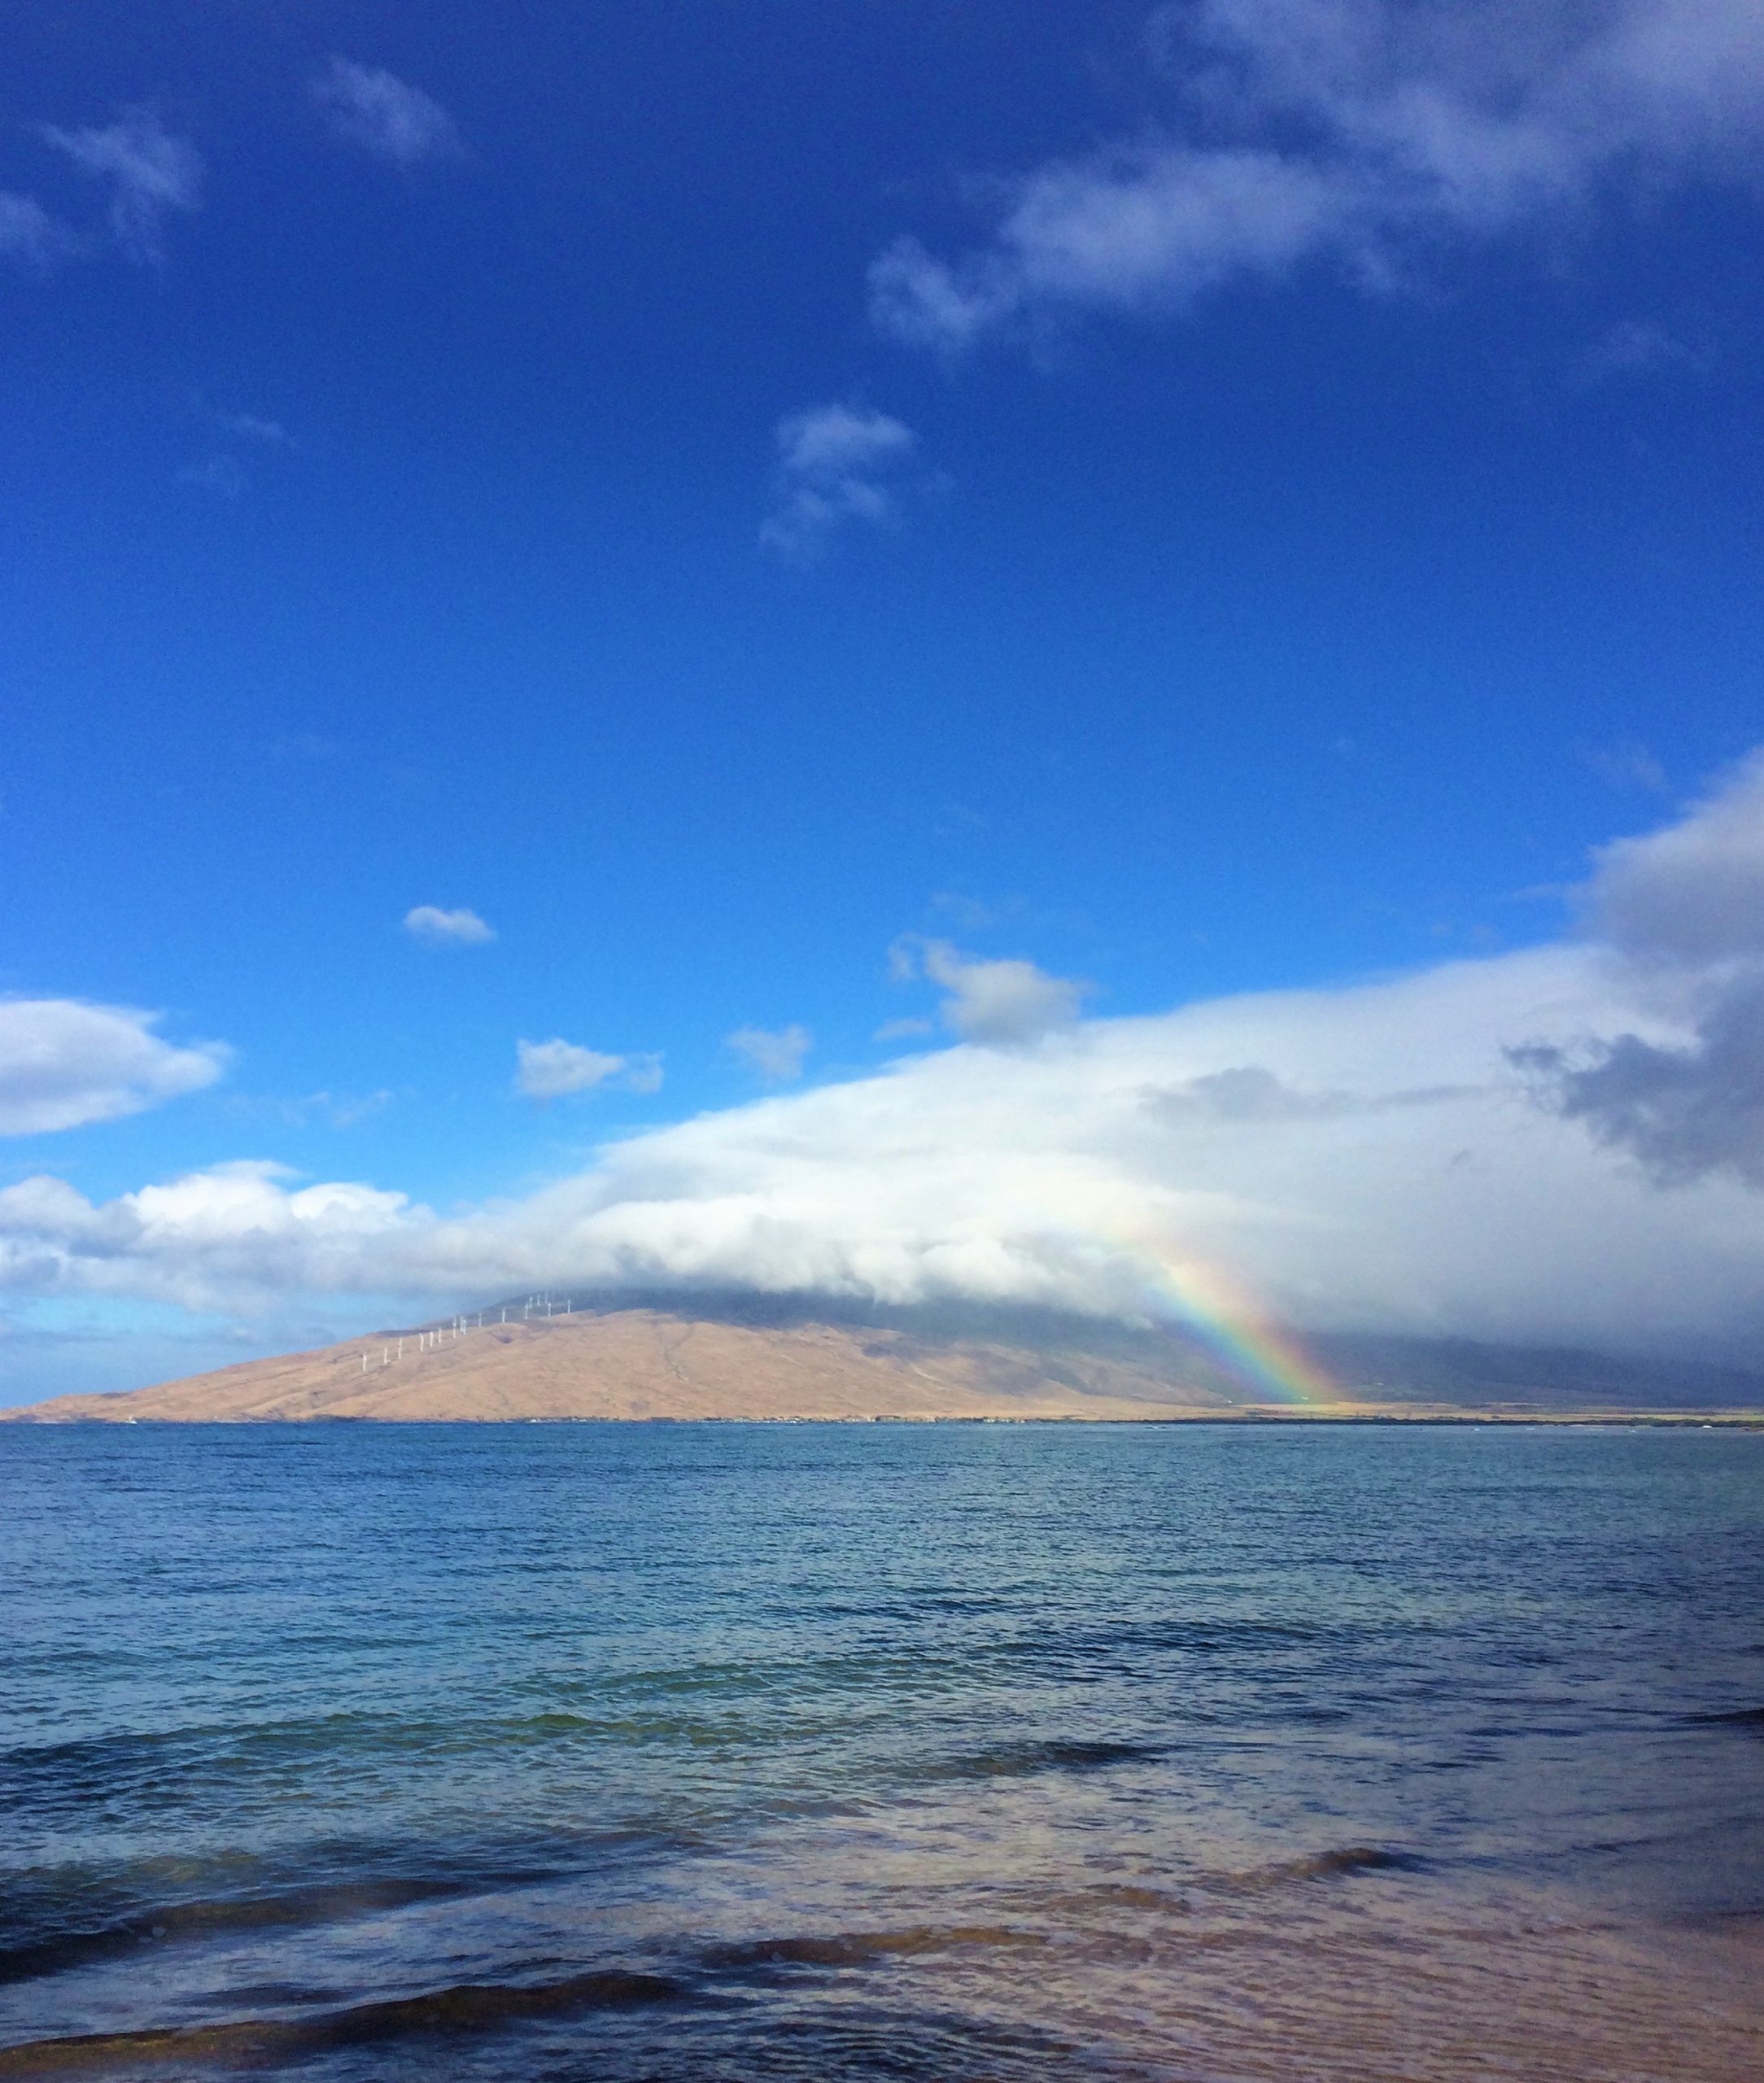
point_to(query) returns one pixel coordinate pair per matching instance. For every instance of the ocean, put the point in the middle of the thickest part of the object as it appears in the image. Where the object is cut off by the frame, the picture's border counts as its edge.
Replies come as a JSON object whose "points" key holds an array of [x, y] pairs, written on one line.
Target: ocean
{"points": [[942, 1753]]}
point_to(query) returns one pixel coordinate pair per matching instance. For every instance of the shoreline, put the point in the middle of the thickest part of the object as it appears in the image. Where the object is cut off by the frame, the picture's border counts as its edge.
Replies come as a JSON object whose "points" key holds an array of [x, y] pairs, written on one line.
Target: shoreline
{"points": [[1707, 1420], [647, 1366]]}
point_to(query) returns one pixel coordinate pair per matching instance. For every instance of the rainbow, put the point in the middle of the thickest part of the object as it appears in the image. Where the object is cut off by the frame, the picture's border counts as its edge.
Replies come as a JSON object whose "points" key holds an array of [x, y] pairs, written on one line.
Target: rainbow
{"points": [[1227, 1319]]}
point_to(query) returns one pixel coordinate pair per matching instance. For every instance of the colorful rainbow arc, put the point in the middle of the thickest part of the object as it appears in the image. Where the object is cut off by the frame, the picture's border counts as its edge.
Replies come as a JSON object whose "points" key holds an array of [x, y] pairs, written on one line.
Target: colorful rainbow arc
{"points": [[1228, 1319]]}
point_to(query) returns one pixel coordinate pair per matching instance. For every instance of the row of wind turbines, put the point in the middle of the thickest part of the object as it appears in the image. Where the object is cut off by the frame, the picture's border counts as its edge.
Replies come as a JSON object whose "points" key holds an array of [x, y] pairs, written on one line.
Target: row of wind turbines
{"points": [[450, 1334]]}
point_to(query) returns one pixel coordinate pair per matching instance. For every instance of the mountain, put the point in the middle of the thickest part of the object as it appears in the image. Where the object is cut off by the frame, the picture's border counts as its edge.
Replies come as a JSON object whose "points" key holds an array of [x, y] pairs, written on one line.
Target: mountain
{"points": [[741, 1357], [647, 1363]]}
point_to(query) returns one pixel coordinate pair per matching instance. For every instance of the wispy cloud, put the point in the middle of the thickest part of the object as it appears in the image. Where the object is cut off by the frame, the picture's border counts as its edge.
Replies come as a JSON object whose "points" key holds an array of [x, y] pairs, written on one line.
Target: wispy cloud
{"points": [[253, 427], [1638, 347], [221, 474], [224, 471], [974, 914], [304, 745], [459, 928], [151, 174], [1362, 136], [29, 237], [555, 1069], [838, 466], [339, 1110], [65, 1063], [774, 1054], [1627, 764], [367, 107], [333, 1110]]}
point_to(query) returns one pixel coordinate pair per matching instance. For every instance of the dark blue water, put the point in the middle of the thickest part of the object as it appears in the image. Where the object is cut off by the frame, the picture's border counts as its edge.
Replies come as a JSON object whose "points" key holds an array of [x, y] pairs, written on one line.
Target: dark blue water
{"points": [[939, 1753]]}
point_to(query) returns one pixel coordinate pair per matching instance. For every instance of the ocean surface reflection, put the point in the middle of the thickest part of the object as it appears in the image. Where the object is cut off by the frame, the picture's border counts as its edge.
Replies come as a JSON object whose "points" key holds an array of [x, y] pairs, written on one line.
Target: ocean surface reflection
{"points": [[940, 1753]]}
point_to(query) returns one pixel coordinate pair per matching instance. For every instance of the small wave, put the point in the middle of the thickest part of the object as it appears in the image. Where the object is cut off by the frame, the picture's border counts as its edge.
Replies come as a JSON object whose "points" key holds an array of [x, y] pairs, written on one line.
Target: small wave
{"points": [[330, 1903], [468, 2007], [858, 1949], [360, 1881], [1020, 1760], [95, 1768], [1329, 1865], [887, 2045], [1751, 1719]]}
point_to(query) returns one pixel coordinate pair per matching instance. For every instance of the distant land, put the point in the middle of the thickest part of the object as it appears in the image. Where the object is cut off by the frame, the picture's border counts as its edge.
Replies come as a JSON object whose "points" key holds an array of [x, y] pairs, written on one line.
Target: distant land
{"points": [[745, 1357]]}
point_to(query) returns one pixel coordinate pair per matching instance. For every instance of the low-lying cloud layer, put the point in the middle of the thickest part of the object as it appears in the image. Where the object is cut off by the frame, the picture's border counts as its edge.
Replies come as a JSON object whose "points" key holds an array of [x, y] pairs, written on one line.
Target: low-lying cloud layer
{"points": [[1557, 1144]]}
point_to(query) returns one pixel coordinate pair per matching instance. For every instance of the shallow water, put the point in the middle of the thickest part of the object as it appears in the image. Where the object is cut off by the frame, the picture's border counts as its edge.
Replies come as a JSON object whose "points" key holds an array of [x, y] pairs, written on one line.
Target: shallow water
{"points": [[941, 1753]]}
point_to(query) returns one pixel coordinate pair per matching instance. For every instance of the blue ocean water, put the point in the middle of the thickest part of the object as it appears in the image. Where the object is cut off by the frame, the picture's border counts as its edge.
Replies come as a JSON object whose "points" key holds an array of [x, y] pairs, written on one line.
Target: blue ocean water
{"points": [[934, 1751]]}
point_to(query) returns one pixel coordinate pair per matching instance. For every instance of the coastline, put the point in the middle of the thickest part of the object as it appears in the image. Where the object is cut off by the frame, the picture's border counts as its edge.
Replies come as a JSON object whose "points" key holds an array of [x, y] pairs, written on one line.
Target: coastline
{"points": [[1693, 1421], [650, 1365]]}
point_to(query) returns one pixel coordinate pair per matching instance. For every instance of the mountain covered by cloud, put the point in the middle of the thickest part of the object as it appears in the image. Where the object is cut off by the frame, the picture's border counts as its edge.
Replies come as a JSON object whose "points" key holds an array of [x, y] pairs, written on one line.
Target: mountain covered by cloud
{"points": [[1558, 1143]]}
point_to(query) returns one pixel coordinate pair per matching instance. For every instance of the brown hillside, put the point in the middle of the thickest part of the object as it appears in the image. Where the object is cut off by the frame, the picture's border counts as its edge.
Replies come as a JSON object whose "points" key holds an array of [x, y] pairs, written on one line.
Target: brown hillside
{"points": [[647, 1364]]}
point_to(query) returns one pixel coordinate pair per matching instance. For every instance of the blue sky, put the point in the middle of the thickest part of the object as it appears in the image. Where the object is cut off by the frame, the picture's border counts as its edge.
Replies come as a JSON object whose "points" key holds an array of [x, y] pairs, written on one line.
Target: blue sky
{"points": [[1189, 503]]}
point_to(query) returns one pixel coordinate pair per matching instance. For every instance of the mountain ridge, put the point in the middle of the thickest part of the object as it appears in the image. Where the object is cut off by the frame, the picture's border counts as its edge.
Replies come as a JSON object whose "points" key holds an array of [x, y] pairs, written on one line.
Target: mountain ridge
{"points": [[763, 1357]]}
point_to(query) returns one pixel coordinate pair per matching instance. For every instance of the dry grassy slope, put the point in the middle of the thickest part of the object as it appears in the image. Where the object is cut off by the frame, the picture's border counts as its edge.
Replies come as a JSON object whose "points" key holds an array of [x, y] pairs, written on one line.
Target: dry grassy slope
{"points": [[640, 1363]]}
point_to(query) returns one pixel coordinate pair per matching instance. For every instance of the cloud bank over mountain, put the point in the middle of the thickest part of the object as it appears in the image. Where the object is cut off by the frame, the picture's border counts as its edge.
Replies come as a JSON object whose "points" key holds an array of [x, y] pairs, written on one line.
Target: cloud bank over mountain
{"points": [[1560, 1143]]}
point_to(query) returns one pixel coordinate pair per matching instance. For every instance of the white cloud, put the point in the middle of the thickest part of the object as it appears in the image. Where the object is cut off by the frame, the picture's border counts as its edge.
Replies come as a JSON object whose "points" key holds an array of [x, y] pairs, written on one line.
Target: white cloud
{"points": [[222, 472], [334, 1110], [215, 1239], [1405, 1181], [1364, 1157], [548, 1070], [1005, 1004], [1692, 894], [1636, 347], [252, 426], [366, 106], [223, 475], [151, 172], [64, 1063], [30, 236], [461, 929], [776, 1054], [553, 1070], [837, 465], [1684, 908], [1355, 135]]}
